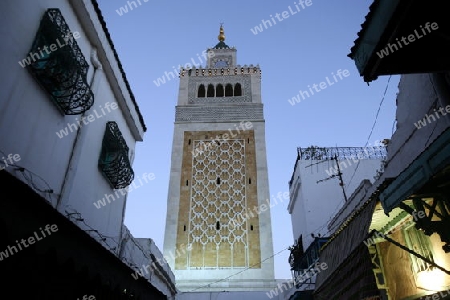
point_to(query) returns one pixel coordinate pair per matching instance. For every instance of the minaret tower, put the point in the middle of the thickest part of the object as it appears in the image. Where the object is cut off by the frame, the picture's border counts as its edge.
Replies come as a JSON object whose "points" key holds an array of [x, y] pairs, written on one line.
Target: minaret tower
{"points": [[218, 209]]}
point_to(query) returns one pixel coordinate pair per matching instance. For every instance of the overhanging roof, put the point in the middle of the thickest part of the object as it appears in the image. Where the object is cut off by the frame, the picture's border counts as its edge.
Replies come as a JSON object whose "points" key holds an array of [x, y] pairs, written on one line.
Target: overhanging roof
{"points": [[124, 76], [23, 211], [425, 167], [387, 22]]}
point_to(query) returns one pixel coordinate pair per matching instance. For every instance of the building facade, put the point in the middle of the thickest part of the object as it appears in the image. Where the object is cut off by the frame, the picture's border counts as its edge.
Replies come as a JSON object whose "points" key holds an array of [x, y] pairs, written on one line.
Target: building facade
{"points": [[218, 218], [323, 180], [400, 235], [322, 186], [69, 124]]}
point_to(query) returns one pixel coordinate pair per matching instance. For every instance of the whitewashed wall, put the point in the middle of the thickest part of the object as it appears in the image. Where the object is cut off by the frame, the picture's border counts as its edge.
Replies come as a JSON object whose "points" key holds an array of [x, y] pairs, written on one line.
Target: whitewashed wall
{"points": [[314, 204], [29, 122], [137, 254], [227, 296], [355, 201], [419, 95]]}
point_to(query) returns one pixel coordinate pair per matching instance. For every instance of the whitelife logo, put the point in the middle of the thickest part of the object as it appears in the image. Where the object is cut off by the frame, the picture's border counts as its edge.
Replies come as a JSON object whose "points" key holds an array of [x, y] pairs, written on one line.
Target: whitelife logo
{"points": [[11, 159], [86, 297], [160, 261], [33, 56], [204, 146], [430, 118], [309, 273], [390, 48], [110, 197], [172, 75], [319, 87], [281, 17], [86, 120], [31, 240], [124, 9], [239, 220], [372, 240]]}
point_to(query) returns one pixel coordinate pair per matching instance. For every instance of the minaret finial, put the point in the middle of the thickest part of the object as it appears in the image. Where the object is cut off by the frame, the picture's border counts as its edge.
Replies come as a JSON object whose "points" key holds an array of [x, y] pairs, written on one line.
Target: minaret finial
{"points": [[221, 36]]}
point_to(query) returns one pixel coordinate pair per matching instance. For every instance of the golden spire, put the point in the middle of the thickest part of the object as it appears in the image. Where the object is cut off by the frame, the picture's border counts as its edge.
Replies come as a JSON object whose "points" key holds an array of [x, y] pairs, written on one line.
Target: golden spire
{"points": [[221, 36]]}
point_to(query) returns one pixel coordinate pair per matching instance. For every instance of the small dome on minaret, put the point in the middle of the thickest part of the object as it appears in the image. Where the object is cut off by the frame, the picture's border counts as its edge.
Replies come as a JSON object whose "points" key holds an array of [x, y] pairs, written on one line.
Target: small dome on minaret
{"points": [[221, 38]]}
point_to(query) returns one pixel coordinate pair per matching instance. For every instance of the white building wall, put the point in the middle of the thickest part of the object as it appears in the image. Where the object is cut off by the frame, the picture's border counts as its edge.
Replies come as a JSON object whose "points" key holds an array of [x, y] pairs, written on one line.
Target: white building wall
{"points": [[312, 205], [355, 201], [85, 171], [420, 95], [29, 123], [28, 118], [143, 256], [228, 296]]}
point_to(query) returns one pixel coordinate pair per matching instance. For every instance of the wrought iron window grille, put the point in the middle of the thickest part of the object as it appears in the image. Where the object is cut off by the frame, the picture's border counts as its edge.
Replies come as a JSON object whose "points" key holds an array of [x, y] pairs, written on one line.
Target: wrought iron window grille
{"points": [[61, 72], [113, 161], [420, 243]]}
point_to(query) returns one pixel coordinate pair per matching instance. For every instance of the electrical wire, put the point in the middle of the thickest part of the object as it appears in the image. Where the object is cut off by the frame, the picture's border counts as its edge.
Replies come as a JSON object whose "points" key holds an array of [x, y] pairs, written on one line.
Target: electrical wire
{"points": [[104, 238], [30, 180], [357, 165], [433, 106], [373, 126], [393, 126], [232, 275]]}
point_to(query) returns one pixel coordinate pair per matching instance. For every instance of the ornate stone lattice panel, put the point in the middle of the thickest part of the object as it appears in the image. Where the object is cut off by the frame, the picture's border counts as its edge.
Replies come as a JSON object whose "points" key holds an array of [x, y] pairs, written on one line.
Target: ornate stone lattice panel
{"points": [[217, 196], [218, 193]]}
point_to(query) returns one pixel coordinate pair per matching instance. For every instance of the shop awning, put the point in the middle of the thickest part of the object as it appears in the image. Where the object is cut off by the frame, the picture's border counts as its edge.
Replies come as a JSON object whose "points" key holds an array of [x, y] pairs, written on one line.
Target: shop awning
{"points": [[349, 274]]}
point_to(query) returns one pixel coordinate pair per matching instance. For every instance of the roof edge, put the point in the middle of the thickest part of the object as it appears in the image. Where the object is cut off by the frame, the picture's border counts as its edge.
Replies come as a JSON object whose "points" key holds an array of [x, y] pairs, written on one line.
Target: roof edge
{"points": [[116, 56]]}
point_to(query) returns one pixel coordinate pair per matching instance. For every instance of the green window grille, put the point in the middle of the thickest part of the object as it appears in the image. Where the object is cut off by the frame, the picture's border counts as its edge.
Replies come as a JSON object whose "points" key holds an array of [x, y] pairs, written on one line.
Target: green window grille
{"points": [[61, 72], [419, 243], [113, 161]]}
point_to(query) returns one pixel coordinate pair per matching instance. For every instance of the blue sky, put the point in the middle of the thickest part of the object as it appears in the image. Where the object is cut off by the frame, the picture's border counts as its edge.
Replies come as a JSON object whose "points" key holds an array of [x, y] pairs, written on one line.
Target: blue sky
{"points": [[302, 49]]}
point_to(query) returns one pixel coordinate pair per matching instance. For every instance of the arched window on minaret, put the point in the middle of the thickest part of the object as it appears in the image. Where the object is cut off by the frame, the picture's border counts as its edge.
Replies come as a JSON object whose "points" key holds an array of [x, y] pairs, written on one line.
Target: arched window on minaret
{"points": [[201, 91], [219, 90], [229, 90], [210, 92], [237, 89]]}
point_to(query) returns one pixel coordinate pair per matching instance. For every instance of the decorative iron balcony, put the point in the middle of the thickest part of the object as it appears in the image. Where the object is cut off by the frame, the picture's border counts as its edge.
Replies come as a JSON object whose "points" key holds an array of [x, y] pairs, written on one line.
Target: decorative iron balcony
{"points": [[301, 262], [329, 153], [113, 161], [59, 66]]}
